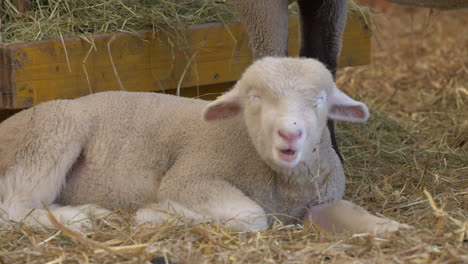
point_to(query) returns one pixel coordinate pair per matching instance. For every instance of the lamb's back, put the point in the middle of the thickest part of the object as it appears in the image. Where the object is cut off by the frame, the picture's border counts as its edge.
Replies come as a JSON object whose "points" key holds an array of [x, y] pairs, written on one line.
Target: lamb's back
{"points": [[135, 138]]}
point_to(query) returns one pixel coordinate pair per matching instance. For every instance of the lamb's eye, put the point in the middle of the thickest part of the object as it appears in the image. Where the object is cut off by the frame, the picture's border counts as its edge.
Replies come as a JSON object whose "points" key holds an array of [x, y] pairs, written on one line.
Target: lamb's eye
{"points": [[254, 97], [318, 101]]}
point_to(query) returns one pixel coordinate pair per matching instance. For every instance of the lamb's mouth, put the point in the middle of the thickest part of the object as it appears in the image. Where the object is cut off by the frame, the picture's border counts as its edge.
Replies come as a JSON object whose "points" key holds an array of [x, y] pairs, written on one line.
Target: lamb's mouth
{"points": [[287, 155]]}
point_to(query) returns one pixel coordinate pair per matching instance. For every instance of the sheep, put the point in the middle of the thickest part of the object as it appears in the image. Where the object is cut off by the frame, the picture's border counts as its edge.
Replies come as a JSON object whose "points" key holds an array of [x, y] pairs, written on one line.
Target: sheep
{"points": [[322, 26], [261, 151]]}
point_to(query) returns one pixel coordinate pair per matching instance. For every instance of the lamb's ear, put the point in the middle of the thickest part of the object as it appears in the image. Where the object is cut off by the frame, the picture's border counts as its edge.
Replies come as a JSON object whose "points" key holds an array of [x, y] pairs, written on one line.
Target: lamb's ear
{"points": [[343, 107], [227, 106]]}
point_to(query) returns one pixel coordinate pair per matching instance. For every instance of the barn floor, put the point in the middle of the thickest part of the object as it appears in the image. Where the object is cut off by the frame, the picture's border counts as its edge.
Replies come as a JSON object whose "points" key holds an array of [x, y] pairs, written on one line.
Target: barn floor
{"points": [[409, 163]]}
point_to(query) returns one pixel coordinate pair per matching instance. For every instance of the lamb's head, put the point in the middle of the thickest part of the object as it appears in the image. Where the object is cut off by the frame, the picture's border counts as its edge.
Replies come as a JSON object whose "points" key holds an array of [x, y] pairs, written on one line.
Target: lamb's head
{"points": [[285, 104]]}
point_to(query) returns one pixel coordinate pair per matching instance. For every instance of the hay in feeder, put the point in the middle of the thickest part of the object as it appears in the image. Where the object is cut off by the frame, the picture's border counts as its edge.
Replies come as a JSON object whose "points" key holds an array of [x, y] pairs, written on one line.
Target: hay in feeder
{"points": [[54, 19]]}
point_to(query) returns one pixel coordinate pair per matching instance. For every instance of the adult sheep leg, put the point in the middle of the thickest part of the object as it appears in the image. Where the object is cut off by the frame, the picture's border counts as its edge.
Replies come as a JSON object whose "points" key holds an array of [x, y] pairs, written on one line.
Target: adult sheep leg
{"points": [[203, 200], [343, 216], [267, 25], [322, 26]]}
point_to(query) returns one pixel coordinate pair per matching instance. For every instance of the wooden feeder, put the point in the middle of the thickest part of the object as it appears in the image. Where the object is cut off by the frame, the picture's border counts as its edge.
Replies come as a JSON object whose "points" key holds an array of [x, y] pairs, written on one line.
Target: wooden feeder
{"points": [[215, 57]]}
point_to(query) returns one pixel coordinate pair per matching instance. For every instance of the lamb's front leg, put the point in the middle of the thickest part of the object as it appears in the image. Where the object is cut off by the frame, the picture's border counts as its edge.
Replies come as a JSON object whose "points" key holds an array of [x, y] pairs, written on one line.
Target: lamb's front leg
{"points": [[343, 216], [201, 201], [157, 213]]}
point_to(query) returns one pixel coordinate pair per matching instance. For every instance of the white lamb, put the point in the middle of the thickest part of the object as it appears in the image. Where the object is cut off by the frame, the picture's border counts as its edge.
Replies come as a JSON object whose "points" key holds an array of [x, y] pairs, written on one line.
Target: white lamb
{"points": [[264, 153]]}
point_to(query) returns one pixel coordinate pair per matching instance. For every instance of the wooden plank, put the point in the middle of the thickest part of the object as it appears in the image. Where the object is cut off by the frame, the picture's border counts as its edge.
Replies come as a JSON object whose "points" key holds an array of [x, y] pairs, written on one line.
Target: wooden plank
{"points": [[6, 83], [356, 49], [213, 53]]}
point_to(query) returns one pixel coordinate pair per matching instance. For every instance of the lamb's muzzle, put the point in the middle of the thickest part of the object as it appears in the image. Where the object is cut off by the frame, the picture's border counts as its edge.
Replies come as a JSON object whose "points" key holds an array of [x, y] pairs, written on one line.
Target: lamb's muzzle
{"points": [[290, 139]]}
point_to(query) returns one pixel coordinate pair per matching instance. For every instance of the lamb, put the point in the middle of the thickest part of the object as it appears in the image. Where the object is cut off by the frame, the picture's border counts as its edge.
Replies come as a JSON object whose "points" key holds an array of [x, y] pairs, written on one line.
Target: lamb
{"points": [[261, 151]]}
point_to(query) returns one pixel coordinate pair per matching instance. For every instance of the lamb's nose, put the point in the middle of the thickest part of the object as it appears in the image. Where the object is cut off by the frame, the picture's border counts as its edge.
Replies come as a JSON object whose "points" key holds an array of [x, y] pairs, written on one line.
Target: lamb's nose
{"points": [[290, 136]]}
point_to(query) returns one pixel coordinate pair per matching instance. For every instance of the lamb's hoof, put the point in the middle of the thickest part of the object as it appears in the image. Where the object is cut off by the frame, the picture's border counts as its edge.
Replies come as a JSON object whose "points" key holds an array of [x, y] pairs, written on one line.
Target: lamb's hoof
{"points": [[100, 213], [389, 226], [249, 222], [73, 218], [150, 217], [79, 226]]}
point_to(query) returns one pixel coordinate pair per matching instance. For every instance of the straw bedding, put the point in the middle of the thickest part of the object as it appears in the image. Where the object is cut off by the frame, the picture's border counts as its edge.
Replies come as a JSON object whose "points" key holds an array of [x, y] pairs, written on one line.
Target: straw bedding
{"points": [[409, 162]]}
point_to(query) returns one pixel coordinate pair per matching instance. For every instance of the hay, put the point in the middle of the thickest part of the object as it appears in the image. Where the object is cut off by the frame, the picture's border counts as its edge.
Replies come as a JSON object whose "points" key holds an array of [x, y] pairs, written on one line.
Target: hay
{"points": [[409, 162], [56, 19], [53, 19]]}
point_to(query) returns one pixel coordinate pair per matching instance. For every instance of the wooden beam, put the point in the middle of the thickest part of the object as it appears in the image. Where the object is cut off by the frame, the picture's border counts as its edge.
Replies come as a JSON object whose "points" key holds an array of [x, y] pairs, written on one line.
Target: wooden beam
{"points": [[35, 72]]}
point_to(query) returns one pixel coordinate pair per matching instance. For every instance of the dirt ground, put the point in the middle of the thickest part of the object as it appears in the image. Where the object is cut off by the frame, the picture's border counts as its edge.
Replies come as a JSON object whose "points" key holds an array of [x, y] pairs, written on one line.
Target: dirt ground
{"points": [[409, 163]]}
